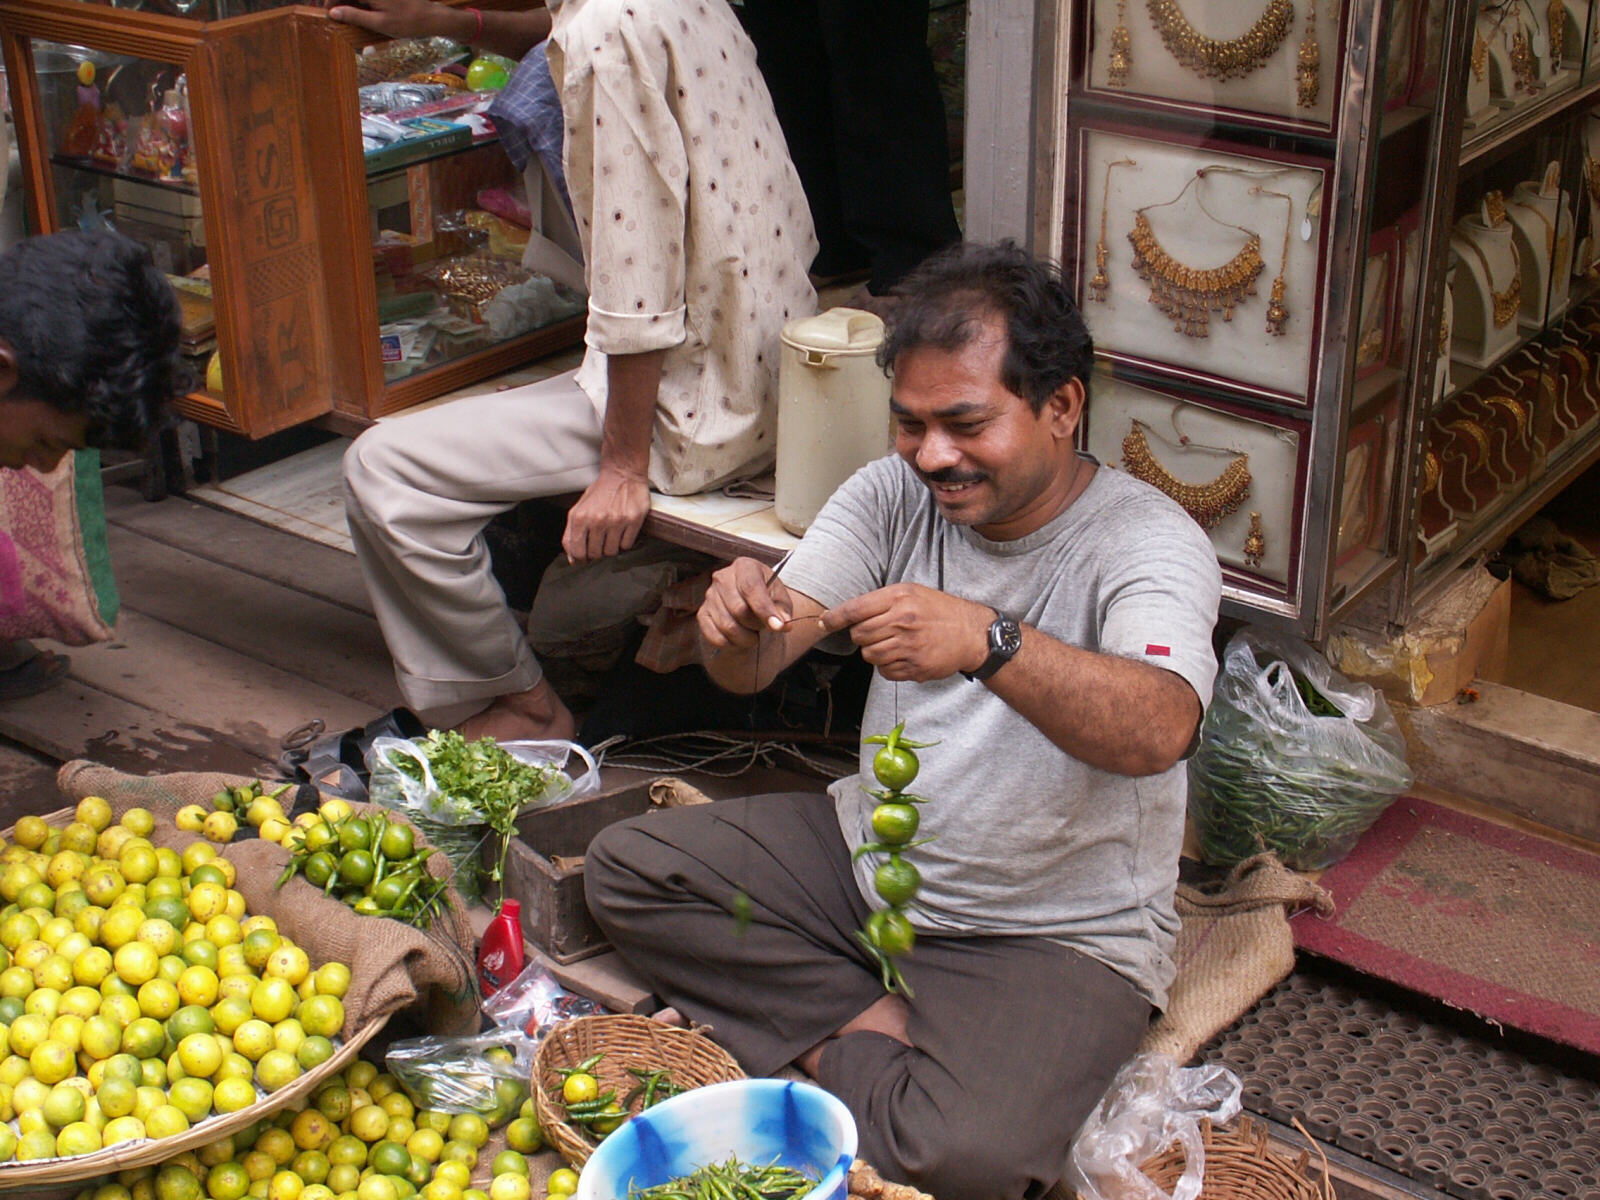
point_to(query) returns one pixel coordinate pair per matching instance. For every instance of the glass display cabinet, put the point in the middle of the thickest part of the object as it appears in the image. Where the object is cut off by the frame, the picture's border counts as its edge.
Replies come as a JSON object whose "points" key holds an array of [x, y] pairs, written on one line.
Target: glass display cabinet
{"points": [[1340, 265], [1510, 418], [339, 252]]}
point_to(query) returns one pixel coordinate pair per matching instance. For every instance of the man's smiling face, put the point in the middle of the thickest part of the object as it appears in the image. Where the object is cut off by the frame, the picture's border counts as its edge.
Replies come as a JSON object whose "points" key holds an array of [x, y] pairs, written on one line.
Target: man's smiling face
{"points": [[990, 461]]}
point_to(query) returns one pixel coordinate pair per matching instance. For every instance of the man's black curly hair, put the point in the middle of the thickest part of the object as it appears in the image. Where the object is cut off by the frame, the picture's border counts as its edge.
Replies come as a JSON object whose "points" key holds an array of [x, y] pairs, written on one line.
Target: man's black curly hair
{"points": [[95, 328], [945, 302]]}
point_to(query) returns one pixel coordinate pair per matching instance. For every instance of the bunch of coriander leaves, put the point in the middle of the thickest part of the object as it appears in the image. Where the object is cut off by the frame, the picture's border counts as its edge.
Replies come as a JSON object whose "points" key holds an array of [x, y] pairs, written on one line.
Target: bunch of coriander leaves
{"points": [[480, 783]]}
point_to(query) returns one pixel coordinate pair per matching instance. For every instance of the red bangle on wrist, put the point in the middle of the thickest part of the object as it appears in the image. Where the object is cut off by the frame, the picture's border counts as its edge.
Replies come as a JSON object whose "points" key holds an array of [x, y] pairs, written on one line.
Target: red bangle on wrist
{"points": [[477, 31]]}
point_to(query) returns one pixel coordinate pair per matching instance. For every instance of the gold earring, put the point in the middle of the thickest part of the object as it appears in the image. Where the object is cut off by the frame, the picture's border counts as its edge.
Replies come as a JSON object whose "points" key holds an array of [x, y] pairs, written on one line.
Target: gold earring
{"points": [[1121, 49], [1100, 284], [1308, 71], [1277, 311], [1255, 542]]}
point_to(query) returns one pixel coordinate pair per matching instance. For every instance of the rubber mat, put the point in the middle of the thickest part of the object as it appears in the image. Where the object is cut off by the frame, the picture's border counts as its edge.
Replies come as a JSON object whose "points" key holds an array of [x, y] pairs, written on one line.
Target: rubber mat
{"points": [[1482, 917], [1446, 1109]]}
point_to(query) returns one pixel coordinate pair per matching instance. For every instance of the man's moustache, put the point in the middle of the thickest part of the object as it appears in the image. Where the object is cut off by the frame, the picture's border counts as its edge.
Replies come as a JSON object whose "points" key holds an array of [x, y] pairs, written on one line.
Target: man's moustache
{"points": [[950, 476]]}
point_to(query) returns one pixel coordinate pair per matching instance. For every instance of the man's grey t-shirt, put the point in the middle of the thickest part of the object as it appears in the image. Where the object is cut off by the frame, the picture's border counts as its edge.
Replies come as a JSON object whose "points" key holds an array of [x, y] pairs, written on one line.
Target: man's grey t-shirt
{"points": [[1027, 839]]}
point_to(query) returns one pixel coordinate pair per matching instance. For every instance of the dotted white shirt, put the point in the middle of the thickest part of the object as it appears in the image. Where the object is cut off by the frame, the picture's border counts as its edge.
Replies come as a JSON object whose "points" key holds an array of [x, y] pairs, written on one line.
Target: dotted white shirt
{"points": [[696, 234]]}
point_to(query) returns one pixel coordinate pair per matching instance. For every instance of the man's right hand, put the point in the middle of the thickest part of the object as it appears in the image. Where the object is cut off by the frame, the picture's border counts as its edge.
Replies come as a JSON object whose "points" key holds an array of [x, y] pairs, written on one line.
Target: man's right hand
{"points": [[404, 18], [745, 600]]}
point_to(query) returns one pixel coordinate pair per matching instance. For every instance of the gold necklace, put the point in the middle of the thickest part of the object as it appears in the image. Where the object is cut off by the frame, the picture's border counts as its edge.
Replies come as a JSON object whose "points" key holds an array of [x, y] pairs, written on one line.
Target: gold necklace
{"points": [[1523, 68], [1555, 246], [1207, 503], [1519, 414], [1556, 18], [1508, 300], [1190, 294], [1214, 58], [1430, 471], [1480, 55], [1475, 431], [1549, 229]]}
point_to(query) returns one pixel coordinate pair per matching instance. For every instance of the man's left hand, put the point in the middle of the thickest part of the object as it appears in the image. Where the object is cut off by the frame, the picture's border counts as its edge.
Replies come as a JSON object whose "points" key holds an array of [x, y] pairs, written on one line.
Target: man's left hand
{"points": [[914, 633], [608, 516]]}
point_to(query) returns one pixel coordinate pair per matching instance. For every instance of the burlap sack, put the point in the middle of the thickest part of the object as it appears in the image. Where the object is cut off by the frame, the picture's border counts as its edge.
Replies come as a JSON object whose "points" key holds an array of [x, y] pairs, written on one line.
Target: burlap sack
{"points": [[1234, 947], [392, 966]]}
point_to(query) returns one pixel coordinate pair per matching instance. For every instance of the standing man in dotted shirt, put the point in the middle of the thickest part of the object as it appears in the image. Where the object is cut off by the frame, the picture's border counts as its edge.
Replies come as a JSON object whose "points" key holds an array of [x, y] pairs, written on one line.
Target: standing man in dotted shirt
{"points": [[696, 237]]}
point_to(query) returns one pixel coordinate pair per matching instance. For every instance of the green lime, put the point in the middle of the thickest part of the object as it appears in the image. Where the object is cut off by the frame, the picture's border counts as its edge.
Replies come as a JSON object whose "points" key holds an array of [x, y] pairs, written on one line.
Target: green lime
{"points": [[320, 868], [357, 868], [897, 880], [895, 824], [355, 834], [890, 931], [397, 842], [387, 891]]}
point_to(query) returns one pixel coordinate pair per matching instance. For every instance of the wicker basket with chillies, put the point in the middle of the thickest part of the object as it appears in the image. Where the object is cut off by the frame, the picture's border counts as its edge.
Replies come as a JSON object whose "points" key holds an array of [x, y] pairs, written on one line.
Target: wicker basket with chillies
{"points": [[634, 1062], [1293, 758]]}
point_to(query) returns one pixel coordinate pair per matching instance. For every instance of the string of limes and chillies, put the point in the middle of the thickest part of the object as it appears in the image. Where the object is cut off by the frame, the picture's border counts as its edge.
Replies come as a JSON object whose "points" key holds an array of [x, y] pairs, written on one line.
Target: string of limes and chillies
{"points": [[599, 1111], [888, 933], [371, 863]]}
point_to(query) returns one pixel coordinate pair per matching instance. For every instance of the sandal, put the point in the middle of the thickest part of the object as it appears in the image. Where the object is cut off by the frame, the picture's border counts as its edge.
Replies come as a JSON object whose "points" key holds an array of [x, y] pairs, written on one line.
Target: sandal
{"points": [[36, 674], [337, 763]]}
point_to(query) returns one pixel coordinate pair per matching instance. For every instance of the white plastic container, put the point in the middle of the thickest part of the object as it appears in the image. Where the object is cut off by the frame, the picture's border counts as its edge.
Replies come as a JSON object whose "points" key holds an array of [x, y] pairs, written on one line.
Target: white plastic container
{"points": [[833, 409]]}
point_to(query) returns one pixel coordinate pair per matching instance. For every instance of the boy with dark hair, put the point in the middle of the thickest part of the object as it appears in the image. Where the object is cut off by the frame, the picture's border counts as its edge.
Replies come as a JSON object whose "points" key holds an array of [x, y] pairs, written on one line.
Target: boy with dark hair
{"points": [[89, 334]]}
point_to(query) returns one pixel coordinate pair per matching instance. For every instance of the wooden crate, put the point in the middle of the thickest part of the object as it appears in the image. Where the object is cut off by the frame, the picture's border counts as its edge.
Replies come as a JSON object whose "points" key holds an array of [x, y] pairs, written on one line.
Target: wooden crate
{"points": [[554, 915]]}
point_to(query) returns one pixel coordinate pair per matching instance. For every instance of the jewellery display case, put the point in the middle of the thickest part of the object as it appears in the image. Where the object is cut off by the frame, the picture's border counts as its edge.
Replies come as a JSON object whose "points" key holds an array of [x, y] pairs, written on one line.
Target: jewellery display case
{"points": [[320, 276], [1342, 267]]}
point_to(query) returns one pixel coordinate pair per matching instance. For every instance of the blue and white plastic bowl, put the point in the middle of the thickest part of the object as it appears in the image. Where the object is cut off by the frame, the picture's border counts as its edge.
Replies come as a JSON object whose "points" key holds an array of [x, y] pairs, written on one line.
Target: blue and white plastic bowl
{"points": [[756, 1120]]}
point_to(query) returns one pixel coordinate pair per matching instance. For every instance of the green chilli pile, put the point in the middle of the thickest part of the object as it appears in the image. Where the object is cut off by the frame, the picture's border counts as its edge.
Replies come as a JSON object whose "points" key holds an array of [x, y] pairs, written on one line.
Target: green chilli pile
{"points": [[888, 933]]}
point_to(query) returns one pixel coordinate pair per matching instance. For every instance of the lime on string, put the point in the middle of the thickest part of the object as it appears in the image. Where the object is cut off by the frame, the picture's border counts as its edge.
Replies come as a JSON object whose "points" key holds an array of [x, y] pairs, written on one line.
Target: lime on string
{"points": [[888, 933]]}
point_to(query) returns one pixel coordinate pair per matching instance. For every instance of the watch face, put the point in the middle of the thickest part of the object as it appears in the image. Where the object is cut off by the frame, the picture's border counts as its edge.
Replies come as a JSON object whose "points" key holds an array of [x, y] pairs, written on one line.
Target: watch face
{"points": [[1005, 636]]}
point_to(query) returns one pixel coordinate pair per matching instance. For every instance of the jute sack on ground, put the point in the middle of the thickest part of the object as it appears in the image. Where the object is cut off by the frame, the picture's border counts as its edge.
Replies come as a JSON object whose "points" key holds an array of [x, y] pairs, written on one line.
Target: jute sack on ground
{"points": [[1234, 947], [392, 965]]}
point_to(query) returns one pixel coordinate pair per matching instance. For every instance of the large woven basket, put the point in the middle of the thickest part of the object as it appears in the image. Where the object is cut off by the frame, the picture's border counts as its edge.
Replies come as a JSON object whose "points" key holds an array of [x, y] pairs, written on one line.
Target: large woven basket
{"points": [[627, 1041], [1239, 1166]]}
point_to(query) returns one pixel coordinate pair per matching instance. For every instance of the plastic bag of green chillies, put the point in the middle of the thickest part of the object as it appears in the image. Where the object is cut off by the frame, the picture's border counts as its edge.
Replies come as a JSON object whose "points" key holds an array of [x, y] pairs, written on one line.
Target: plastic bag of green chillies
{"points": [[1293, 758]]}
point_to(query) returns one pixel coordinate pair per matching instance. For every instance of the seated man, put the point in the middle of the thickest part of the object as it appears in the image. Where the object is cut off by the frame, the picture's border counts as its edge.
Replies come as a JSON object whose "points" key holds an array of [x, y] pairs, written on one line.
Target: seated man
{"points": [[1049, 623], [695, 238]]}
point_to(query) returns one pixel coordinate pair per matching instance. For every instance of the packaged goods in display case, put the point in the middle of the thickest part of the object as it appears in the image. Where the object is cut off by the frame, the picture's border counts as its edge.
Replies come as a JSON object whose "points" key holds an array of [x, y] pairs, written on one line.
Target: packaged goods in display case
{"points": [[259, 152]]}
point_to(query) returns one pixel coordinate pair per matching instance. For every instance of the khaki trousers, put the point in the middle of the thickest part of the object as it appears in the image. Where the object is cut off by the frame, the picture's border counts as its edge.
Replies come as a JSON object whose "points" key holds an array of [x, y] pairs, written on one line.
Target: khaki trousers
{"points": [[1014, 1039], [419, 489]]}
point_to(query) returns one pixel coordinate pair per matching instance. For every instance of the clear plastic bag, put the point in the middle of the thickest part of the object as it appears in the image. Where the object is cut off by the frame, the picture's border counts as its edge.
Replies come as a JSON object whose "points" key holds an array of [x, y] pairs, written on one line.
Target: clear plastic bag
{"points": [[486, 1073], [1152, 1103], [458, 825], [535, 1003], [1294, 758]]}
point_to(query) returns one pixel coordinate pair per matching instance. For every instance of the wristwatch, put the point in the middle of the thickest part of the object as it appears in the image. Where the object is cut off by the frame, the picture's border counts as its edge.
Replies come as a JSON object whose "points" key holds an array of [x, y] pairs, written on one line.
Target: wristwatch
{"points": [[1005, 639]]}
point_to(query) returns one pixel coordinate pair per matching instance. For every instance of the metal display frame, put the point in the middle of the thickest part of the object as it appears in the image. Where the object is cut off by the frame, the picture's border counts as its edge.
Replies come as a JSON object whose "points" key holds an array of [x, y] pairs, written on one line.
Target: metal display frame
{"points": [[1372, 139]]}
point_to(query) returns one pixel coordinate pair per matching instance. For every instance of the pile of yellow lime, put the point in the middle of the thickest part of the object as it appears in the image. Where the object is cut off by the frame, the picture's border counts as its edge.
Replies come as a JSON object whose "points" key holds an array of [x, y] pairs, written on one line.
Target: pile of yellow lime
{"points": [[258, 805], [357, 1138], [137, 995]]}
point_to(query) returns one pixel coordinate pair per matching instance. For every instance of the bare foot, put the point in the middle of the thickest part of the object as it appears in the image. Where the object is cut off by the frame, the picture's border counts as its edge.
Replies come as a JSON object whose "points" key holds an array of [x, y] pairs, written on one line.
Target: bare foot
{"points": [[886, 1015], [534, 715], [669, 1016]]}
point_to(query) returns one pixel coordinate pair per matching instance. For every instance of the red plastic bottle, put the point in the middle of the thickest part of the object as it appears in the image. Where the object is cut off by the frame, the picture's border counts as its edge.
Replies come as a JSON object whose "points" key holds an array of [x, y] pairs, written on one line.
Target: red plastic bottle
{"points": [[500, 956]]}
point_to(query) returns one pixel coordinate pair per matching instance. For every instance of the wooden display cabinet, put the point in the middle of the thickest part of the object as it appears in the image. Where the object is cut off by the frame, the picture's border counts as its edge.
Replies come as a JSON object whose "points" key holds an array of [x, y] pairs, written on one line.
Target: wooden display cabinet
{"points": [[276, 202]]}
